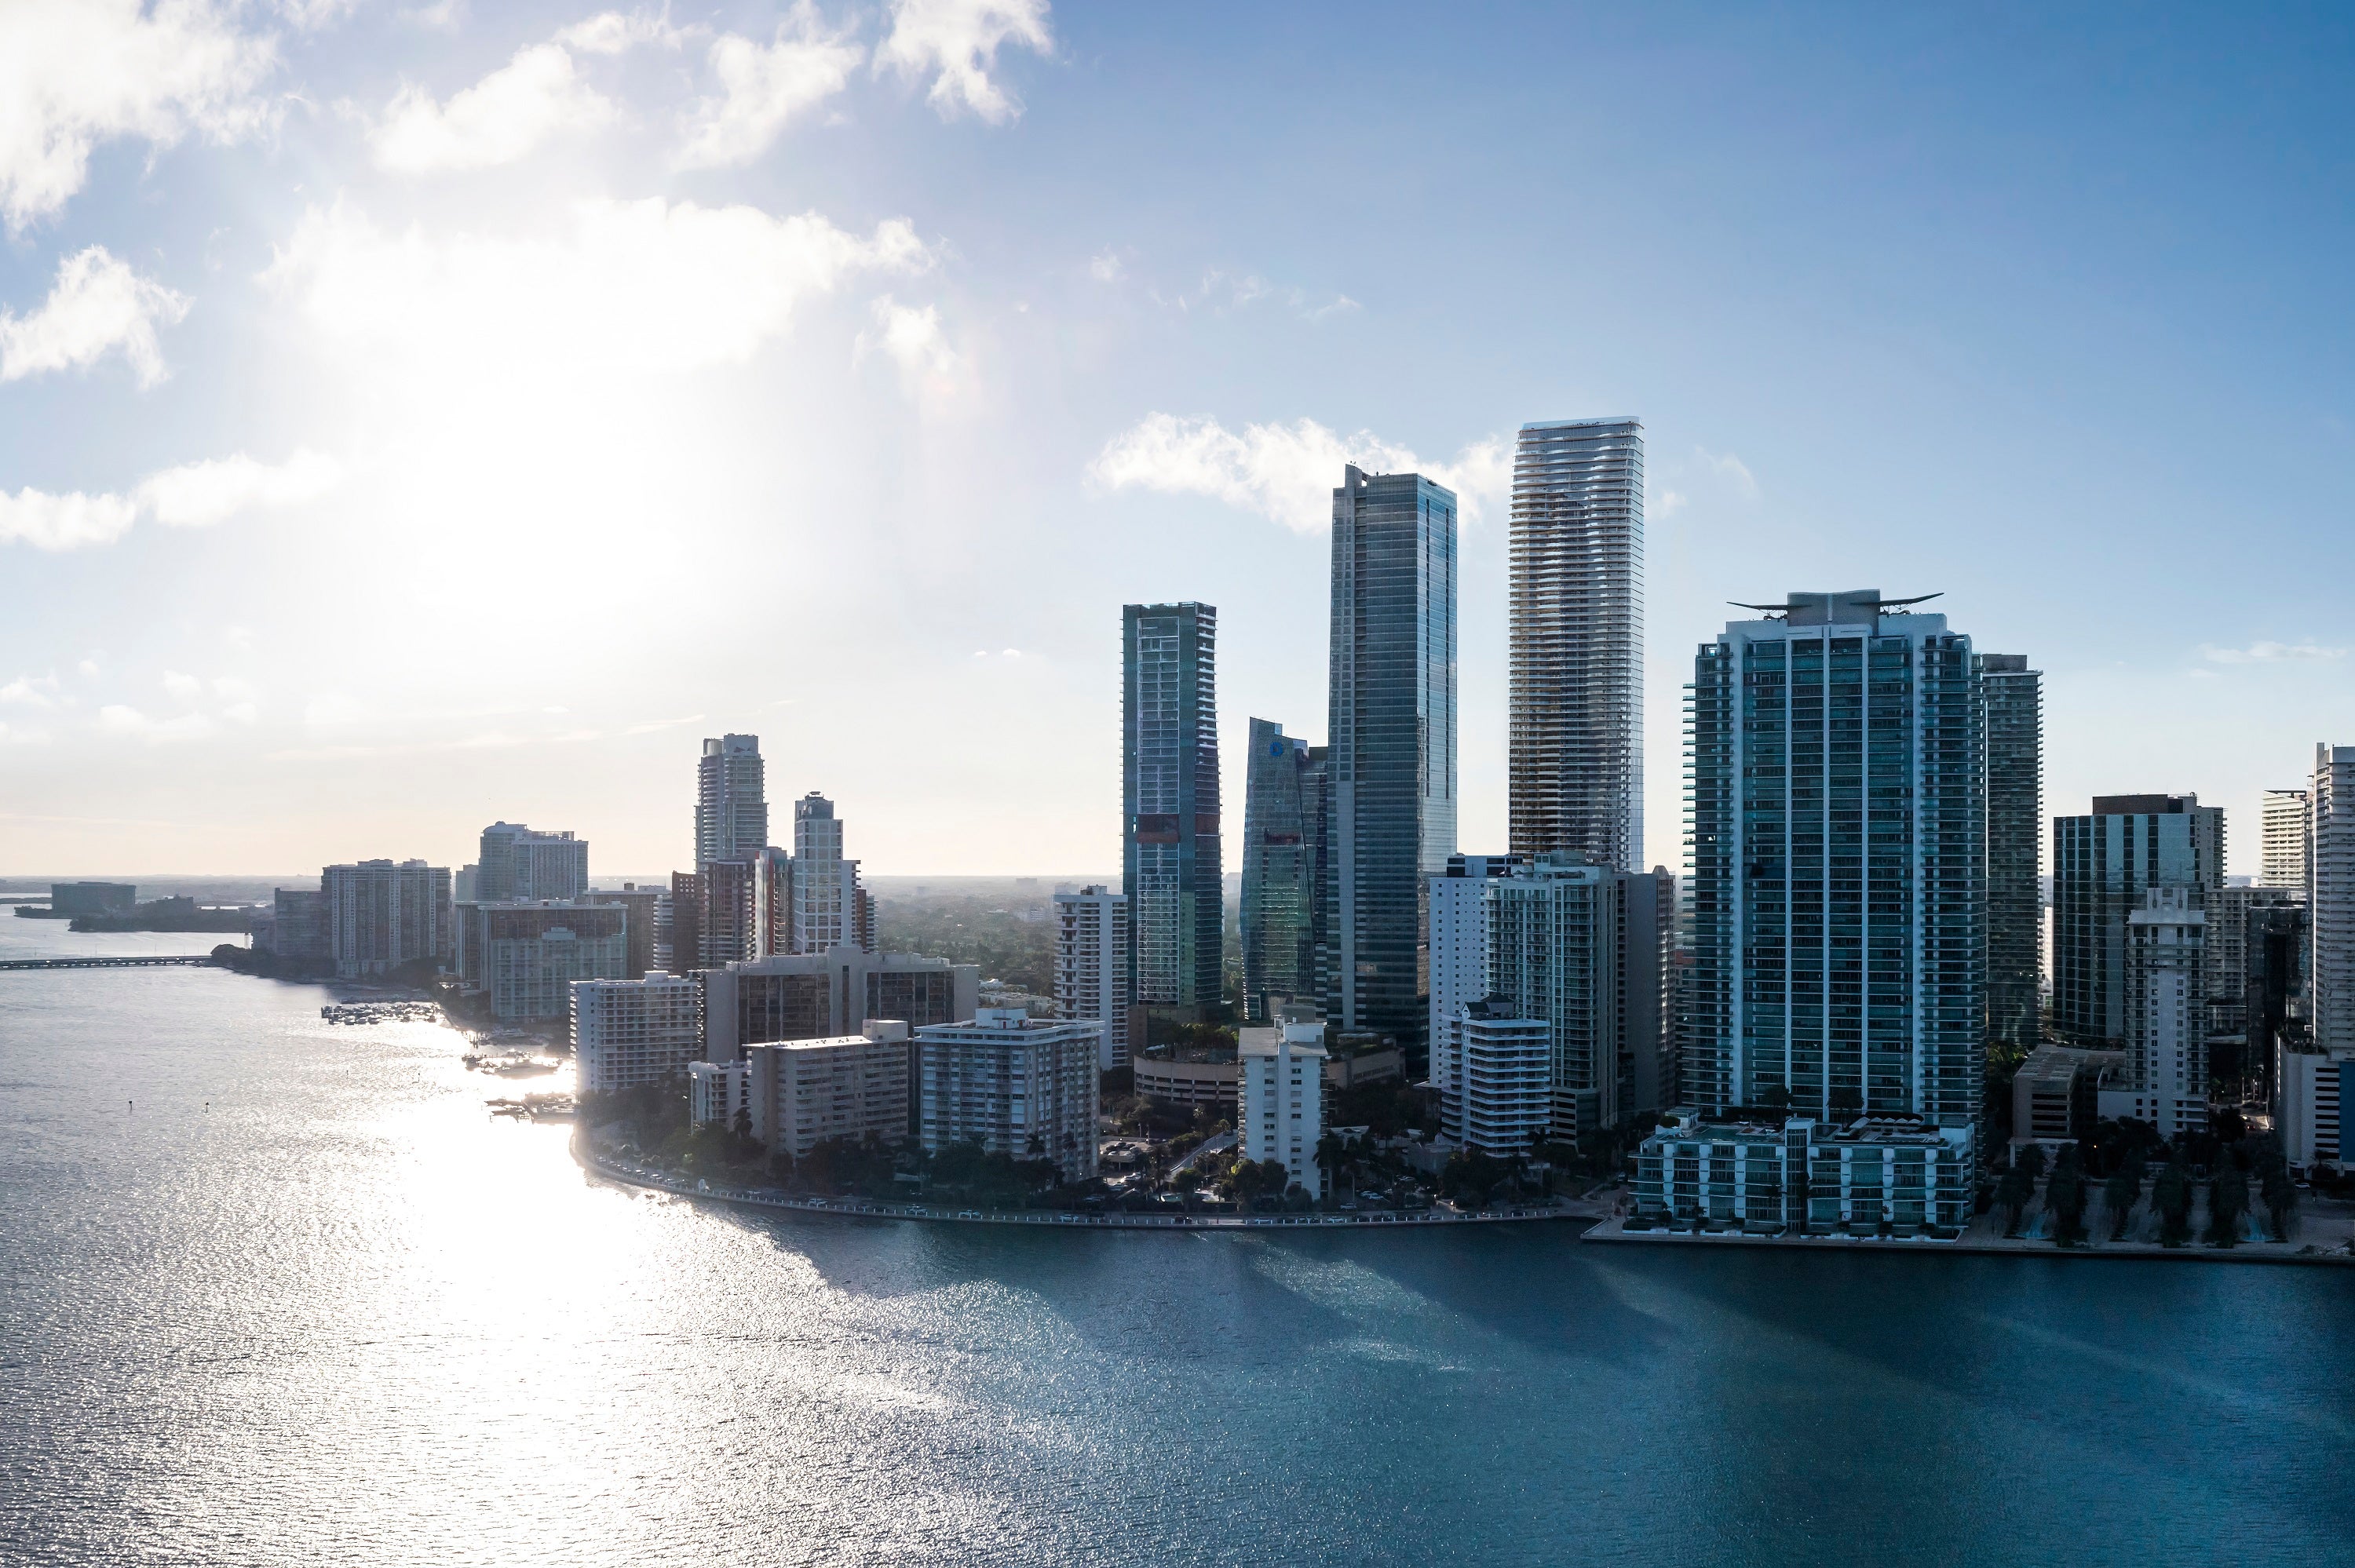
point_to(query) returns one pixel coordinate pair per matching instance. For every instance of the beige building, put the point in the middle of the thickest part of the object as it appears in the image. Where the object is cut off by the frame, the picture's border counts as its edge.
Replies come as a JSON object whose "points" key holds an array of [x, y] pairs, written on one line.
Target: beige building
{"points": [[804, 1092]]}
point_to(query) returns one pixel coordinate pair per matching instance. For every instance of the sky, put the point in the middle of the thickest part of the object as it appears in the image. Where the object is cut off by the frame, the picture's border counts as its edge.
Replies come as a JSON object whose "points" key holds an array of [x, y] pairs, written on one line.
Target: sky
{"points": [[413, 416]]}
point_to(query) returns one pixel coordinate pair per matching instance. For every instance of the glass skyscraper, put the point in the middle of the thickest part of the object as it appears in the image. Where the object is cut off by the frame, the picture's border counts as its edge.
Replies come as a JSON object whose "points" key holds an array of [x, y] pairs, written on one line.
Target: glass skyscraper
{"points": [[1576, 603], [2014, 700], [1282, 835], [1169, 804], [731, 801], [1391, 757], [2104, 864], [1839, 787]]}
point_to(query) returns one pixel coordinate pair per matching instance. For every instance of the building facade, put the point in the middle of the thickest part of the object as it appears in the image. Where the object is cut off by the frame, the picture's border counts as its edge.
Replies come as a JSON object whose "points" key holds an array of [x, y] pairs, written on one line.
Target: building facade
{"points": [[2104, 865], [1872, 1176], [2312, 1090], [2282, 861], [1283, 1089], [830, 908], [2166, 1037], [2013, 724], [731, 800], [1837, 785], [1021, 1086], [2330, 898], [649, 910], [1281, 917], [1391, 757], [804, 1092], [629, 1032], [719, 1093], [1503, 1100], [809, 996], [725, 911], [526, 955], [381, 915], [1092, 966], [1170, 862], [299, 929], [520, 865], [1459, 962], [1575, 598]]}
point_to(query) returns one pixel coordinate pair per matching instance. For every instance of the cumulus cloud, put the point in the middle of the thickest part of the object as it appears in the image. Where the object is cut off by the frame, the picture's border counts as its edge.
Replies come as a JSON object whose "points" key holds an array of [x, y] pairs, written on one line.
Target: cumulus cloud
{"points": [[31, 692], [119, 719], [199, 495], [1283, 471], [500, 119], [74, 73], [645, 285], [912, 338], [957, 41], [194, 496], [98, 306], [615, 32], [2272, 653], [762, 88]]}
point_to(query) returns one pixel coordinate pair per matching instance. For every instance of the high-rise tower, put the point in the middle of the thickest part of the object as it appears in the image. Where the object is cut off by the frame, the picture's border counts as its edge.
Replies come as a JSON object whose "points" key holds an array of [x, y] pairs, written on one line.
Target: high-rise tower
{"points": [[829, 905], [1838, 784], [1170, 805], [2330, 899], [731, 801], [2013, 697], [1280, 918], [1576, 598], [2283, 845], [2104, 864], [1391, 757]]}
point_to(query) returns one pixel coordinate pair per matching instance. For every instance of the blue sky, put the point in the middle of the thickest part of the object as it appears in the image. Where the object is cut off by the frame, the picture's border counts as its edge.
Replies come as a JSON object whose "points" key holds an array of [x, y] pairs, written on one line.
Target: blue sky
{"points": [[472, 407]]}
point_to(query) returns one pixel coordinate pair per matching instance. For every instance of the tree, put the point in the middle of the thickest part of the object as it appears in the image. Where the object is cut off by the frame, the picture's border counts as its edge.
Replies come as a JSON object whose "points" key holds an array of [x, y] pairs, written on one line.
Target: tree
{"points": [[2030, 1159], [2119, 1194], [2064, 1198], [2012, 1194], [2228, 1200], [2170, 1198]]}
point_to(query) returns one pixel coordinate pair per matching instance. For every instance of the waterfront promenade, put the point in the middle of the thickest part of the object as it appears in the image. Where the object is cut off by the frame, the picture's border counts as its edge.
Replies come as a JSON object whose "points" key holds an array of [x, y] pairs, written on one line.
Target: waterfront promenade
{"points": [[951, 1214], [2321, 1237]]}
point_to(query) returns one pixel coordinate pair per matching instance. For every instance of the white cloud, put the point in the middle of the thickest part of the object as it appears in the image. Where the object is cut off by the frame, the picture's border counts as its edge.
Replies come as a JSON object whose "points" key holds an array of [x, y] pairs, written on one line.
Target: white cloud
{"points": [[2271, 653], [118, 719], [199, 495], [914, 340], [615, 32], [66, 522], [762, 88], [1732, 471], [498, 120], [31, 692], [958, 40], [74, 73], [1668, 503], [1285, 471], [643, 285], [16, 735], [187, 688], [1105, 267], [97, 305], [194, 496]]}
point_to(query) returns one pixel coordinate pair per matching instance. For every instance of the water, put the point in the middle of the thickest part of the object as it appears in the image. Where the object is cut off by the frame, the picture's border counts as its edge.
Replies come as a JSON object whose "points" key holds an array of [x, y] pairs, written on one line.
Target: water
{"points": [[305, 1302]]}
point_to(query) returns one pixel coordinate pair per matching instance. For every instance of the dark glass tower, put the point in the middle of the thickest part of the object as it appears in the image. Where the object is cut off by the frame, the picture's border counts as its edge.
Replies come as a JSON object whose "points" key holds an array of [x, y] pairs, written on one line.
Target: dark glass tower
{"points": [[2014, 699], [1282, 819], [1837, 779], [1391, 757], [1169, 793]]}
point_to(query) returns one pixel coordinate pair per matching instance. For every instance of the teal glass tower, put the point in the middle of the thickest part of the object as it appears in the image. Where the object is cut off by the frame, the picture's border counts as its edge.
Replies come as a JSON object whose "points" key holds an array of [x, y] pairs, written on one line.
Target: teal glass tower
{"points": [[1838, 784], [1170, 865], [1282, 839], [1391, 756]]}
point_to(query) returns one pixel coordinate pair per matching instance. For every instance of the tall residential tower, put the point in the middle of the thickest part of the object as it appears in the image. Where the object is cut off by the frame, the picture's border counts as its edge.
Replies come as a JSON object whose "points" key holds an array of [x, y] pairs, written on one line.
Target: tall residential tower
{"points": [[1283, 842], [1576, 598], [1169, 806], [1391, 761], [731, 801], [2013, 697]]}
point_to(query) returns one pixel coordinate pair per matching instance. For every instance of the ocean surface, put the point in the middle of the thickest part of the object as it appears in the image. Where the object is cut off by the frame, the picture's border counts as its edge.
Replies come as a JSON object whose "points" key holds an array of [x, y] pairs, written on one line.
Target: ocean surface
{"points": [[277, 1292]]}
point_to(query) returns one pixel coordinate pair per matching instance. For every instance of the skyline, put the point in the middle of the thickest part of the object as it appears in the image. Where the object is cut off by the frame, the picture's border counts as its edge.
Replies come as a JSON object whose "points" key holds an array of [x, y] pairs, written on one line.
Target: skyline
{"points": [[2011, 313]]}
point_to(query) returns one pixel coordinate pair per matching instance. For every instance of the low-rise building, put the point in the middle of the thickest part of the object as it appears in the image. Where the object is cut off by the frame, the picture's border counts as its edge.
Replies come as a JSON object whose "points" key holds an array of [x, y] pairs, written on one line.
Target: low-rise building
{"points": [[1800, 1176], [719, 1092], [1188, 1079], [526, 955], [804, 1092], [1282, 1079], [2056, 1093], [2311, 1090], [1017, 1085], [627, 1033]]}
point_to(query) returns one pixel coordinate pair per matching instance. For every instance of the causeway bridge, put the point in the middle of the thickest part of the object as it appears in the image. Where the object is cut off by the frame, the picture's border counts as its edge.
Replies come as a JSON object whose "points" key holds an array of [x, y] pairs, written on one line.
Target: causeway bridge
{"points": [[186, 960]]}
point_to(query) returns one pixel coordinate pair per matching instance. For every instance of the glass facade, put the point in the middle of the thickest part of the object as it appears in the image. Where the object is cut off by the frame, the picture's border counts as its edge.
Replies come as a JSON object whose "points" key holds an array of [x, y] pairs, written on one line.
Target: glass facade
{"points": [[2014, 698], [1392, 760], [1169, 792], [1838, 800], [2104, 866], [1283, 819]]}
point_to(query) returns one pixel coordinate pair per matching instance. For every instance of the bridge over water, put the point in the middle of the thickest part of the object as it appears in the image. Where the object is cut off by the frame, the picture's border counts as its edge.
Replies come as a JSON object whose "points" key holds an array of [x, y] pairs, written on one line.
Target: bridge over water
{"points": [[185, 960]]}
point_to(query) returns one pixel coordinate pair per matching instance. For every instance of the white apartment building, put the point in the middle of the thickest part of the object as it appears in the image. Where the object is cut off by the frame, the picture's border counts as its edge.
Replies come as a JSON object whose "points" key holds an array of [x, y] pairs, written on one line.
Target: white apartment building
{"points": [[2282, 861], [830, 909], [1017, 1085], [520, 865], [627, 1033], [2167, 1042], [526, 955], [1505, 1105], [1459, 961], [719, 1092], [1283, 1098], [380, 916], [2310, 1090], [1092, 966], [804, 1092]]}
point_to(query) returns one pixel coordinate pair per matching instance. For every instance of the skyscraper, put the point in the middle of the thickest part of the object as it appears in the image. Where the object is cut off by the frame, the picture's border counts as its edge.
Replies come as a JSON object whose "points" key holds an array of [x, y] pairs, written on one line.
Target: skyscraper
{"points": [[2014, 725], [1169, 806], [2282, 861], [380, 916], [2330, 898], [1280, 917], [1837, 945], [518, 865], [1391, 757], [828, 902], [2103, 865], [1092, 965], [731, 802], [1576, 598]]}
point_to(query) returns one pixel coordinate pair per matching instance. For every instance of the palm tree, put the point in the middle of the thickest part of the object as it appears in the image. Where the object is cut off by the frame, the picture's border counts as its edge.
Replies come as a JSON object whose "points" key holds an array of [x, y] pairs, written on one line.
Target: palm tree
{"points": [[2170, 1196], [2228, 1199], [2119, 1194], [2013, 1192]]}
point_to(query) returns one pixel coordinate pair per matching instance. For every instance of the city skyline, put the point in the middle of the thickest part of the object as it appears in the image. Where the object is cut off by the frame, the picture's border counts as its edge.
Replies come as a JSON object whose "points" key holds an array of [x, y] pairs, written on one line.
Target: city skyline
{"points": [[1032, 348]]}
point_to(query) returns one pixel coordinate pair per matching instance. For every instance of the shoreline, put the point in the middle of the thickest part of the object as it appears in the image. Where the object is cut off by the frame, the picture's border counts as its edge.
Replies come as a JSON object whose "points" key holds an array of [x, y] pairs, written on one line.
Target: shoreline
{"points": [[1612, 1233], [936, 1213]]}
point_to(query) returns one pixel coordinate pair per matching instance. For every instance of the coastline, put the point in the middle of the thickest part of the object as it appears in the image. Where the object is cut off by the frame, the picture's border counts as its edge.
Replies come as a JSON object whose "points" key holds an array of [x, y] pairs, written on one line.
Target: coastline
{"points": [[1611, 1231], [936, 1214]]}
